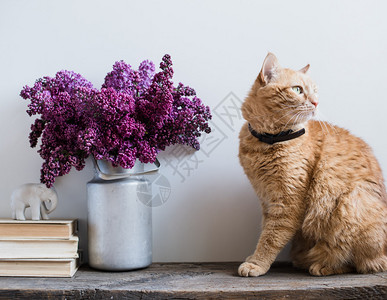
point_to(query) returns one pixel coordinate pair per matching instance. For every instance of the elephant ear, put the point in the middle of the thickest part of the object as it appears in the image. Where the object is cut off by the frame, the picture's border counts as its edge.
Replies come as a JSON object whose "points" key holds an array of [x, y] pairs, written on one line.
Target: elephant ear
{"points": [[42, 189]]}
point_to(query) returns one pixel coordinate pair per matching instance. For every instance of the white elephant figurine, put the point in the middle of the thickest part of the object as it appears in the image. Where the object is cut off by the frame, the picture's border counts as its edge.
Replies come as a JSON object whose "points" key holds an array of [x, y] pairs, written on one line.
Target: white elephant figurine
{"points": [[34, 195]]}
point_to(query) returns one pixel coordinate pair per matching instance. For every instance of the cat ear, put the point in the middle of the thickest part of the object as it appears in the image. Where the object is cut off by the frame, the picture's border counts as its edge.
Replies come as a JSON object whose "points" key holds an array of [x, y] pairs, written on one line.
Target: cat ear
{"points": [[304, 69], [269, 69]]}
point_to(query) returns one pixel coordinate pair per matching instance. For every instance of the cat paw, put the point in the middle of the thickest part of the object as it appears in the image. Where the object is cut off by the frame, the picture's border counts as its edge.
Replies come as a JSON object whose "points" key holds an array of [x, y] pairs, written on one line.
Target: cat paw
{"points": [[319, 270], [248, 269]]}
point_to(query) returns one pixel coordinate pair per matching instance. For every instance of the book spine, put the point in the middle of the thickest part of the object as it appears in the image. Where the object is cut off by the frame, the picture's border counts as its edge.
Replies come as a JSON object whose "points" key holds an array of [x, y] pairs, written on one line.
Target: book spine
{"points": [[39, 268], [44, 230], [38, 249]]}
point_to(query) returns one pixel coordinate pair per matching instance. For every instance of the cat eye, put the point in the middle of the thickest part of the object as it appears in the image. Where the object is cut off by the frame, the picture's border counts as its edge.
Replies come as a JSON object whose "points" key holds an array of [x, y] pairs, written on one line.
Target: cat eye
{"points": [[297, 89]]}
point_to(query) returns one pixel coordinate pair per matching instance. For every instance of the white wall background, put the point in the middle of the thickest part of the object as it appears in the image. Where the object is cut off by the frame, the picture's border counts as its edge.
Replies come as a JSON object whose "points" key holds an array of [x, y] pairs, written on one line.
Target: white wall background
{"points": [[217, 47]]}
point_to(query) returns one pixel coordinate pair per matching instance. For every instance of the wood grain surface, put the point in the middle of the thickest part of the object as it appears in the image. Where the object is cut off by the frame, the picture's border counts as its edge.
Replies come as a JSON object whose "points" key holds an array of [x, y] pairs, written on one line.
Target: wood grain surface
{"points": [[196, 281]]}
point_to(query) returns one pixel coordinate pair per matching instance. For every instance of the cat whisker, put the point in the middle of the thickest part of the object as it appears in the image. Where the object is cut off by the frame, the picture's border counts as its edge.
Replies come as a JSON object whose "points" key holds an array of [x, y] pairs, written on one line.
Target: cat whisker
{"points": [[284, 108], [304, 115], [321, 126], [328, 125], [290, 106], [285, 115], [295, 116]]}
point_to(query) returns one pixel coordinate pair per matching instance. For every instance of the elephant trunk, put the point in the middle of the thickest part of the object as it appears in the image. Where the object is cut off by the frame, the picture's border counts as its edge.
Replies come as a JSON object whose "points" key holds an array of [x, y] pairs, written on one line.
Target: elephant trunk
{"points": [[54, 203]]}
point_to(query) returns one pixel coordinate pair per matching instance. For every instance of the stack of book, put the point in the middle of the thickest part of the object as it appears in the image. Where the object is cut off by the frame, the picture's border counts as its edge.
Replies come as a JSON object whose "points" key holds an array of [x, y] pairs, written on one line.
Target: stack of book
{"points": [[45, 248]]}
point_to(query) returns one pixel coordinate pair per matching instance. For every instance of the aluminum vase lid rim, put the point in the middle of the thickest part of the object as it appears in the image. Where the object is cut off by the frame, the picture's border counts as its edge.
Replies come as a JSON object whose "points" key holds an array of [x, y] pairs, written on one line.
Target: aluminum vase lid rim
{"points": [[107, 171]]}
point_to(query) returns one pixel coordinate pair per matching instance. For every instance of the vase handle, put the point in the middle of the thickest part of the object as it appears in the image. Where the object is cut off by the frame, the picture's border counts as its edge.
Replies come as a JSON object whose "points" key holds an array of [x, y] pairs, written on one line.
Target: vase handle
{"points": [[107, 176]]}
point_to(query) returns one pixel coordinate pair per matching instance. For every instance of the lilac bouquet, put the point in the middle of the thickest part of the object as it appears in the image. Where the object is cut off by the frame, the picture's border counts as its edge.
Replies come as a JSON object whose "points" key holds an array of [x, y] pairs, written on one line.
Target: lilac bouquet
{"points": [[135, 115]]}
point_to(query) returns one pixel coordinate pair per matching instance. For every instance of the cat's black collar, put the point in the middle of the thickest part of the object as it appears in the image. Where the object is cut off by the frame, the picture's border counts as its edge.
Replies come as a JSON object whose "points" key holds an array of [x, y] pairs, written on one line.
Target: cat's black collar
{"points": [[279, 137]]}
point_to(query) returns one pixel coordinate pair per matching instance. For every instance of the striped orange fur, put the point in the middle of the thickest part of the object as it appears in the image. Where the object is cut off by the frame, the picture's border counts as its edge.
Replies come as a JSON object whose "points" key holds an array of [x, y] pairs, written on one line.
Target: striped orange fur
{"points": [[324, 190]]}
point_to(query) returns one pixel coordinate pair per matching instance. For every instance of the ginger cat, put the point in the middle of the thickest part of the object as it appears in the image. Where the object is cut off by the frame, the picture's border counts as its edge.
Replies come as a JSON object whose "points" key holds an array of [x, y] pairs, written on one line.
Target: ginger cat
{"points": [[319, 185]]}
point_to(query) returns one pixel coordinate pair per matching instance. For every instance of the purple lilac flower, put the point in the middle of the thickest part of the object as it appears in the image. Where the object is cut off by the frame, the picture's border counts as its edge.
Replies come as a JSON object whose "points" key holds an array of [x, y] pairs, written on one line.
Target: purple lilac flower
{"points": [[112, 128], [136, 114], [61, 120], [172, 115], [124, 79]]}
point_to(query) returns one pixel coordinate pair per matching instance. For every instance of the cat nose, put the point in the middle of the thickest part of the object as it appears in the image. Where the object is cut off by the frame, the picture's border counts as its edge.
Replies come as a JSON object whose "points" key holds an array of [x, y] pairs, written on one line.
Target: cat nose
{"points": [[313, 100]]}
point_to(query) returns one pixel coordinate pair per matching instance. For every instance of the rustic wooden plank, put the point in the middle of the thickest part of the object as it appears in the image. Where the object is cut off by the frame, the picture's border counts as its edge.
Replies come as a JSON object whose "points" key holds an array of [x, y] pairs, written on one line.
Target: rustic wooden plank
{"points": [[196, 281]]}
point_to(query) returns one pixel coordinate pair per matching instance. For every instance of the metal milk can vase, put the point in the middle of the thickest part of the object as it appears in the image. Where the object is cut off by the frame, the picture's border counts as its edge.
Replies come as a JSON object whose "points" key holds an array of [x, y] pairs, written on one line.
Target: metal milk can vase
{"points": [[119, 225]]}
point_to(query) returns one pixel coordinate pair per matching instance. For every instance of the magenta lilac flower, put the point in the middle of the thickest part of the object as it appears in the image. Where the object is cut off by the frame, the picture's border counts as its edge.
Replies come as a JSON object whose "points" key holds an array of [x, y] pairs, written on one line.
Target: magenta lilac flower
{"points": [[61, 119], [135, 114], [124, 79]]}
